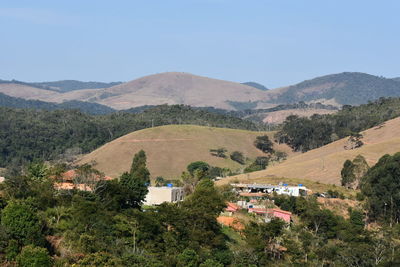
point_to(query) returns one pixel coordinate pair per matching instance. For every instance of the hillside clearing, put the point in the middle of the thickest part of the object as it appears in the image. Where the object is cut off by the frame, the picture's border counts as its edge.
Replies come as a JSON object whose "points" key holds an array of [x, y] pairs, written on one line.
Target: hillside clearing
{"points": [[325, 163], [171, 148]]}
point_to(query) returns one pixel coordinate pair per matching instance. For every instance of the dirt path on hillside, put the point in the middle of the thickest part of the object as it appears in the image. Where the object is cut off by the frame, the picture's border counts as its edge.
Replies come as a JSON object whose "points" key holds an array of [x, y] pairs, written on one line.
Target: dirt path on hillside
{"points": [[154, 140]]}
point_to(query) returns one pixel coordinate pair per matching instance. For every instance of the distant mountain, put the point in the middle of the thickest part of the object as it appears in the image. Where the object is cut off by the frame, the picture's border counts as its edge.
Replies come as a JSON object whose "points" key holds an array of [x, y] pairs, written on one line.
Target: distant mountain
{"points": [[177, 88], [64, 85], [86, 107], [256, 85], [347, 88], [397, 79], [72, 85]]}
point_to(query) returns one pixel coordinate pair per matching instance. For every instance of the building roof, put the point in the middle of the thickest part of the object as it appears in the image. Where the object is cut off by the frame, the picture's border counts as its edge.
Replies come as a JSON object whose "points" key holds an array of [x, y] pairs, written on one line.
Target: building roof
{"points": [[232, 207], [281, 211]]}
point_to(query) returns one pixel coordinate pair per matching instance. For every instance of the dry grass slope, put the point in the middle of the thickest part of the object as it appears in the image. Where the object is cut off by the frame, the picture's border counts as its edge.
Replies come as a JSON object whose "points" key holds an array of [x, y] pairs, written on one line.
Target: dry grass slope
{"points": [[171, 148], [325, 163]]}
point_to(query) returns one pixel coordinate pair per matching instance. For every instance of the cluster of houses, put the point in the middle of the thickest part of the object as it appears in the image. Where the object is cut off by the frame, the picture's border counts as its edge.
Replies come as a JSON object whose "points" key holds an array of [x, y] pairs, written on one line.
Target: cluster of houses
{"points": [[251, 196], [262, 190]]}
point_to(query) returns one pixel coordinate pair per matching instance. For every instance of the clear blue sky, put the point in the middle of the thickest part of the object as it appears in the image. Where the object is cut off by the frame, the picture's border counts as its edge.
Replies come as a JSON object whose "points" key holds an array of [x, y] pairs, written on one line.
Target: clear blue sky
{"points": [[275, 42]]}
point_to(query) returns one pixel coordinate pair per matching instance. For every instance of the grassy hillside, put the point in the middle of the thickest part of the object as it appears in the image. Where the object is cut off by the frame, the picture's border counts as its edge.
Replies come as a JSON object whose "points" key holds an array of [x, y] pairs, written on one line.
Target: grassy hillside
{"points": [[28, 134], [325, 163], [171, 148]]}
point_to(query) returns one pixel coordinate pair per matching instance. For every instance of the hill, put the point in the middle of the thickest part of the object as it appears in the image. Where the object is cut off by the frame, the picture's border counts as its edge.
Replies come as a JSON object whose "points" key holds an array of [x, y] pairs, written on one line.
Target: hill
{"points": [[171, 148], [72, 85], [256, 85], [347, 88], [277, 117], [177, 88], [28, 134], [325, 163], [86, 107], [64, 85]]}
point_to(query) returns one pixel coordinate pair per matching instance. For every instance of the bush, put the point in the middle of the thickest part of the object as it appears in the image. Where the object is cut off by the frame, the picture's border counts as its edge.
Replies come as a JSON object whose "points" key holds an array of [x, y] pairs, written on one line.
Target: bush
{"points": [[264, 144], [238, 157], [32, 256]]}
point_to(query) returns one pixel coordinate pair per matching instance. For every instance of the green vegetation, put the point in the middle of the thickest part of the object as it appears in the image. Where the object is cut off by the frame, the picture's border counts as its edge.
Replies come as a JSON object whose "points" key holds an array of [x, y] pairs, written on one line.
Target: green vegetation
{"points": [[85, 107], [381, 187], [29, 134], [259, 164], [219, 152], [353, 171], [348, 88], [264, 144], [107, 226], [303, 134], [256, 85], [238, 157]]}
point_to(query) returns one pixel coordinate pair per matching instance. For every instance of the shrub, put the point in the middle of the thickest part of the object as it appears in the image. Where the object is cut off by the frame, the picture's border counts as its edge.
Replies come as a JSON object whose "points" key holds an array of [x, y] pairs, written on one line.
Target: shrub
{"points": [[32, 256], [238, 157]]}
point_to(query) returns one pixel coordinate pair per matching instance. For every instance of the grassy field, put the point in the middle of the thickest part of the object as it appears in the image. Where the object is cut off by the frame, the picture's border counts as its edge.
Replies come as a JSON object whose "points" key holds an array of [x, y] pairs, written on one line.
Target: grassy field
{"points": [[325, 163], [171, 148]]}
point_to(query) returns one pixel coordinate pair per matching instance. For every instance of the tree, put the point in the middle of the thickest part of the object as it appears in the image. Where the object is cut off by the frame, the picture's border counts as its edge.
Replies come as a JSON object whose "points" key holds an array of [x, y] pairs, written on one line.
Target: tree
{"points": [[188, 258], [259, 164], [264, 144], [139, 168], [22, 223], [211, 263], [353, 171], [381, 185], [136, 181], [347, 173], [238, 157], [32, 256], [219, 152], [201, 166]]}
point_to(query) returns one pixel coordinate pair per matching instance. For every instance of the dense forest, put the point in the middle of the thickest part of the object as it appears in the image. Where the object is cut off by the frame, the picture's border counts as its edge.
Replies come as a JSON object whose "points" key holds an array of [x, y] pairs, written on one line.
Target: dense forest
{"points": [[303, 134], [27, 134], [109, 226]]}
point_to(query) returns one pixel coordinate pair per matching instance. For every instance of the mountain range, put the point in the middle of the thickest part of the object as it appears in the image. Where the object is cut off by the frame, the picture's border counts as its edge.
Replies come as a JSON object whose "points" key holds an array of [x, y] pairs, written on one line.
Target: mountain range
{"points": [[347, 88]]}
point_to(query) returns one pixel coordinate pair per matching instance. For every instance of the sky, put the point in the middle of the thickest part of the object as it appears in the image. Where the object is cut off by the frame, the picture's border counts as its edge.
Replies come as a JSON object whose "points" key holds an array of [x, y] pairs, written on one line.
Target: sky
{"points": [[275, 43]]}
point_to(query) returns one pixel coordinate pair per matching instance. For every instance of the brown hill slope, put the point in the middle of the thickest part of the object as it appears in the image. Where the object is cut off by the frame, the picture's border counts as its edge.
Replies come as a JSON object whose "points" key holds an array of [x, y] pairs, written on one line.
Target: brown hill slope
{"points": [[163, 88], [177, 88], [171, 148], [276, 117], [325, 163]]}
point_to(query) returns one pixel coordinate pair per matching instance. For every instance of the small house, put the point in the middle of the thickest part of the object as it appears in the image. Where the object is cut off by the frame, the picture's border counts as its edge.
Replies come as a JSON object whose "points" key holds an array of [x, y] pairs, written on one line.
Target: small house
{"points": [[159, 195]]}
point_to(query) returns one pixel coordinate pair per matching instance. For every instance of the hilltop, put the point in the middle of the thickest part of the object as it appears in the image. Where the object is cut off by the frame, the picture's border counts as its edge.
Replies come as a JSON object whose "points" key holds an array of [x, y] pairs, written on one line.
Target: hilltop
{"points": [[171, 148], [325, 163], [157, 89], [347, 88]]}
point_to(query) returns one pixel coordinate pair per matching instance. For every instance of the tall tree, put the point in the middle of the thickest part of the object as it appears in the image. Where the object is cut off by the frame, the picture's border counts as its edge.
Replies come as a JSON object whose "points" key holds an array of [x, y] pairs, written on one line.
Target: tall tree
{"points": [[136, 181], [381, 186]]}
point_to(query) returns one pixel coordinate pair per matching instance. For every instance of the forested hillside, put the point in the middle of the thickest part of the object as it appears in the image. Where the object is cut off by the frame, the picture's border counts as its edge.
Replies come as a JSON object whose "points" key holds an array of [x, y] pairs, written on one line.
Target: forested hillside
{"points": [[347, 88], [38, 134], [86, 107], [304, 134]]}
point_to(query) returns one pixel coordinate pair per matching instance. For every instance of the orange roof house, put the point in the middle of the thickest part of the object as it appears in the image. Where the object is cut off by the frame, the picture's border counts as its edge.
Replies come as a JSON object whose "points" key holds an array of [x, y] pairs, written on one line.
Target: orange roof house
{"points": [[232, 207]]}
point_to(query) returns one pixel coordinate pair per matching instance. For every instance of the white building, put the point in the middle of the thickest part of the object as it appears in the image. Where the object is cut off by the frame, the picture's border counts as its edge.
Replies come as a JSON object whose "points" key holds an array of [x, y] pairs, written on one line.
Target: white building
{"points": [[281, 189], [158, 195]]}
